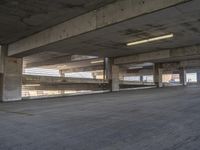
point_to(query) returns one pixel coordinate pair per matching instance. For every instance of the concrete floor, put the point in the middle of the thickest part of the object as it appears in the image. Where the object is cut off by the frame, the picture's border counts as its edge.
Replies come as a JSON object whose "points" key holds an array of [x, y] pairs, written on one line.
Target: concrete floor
{"points": [[151, 119]]}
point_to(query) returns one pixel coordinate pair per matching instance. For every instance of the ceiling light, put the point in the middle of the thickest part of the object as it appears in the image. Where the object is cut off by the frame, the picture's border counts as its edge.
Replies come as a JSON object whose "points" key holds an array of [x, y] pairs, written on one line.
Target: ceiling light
{"points": [[151, 39], [31, 85], [97, 62], [135, 67]]}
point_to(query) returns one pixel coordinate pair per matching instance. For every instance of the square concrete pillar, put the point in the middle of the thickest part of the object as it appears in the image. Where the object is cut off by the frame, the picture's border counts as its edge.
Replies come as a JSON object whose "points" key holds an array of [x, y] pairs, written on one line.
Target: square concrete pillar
{"points": [[158, 71], [141, 79], [62, 74], [198, 77], [160, 77], [10, 77], [107, 69], [183, 79], [112, 74], [115, 78]]}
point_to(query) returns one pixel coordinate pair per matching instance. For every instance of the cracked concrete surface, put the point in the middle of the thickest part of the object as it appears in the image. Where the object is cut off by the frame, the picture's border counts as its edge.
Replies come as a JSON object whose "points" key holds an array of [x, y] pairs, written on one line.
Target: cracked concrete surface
{"points": [[19, 18], [153, 119]]}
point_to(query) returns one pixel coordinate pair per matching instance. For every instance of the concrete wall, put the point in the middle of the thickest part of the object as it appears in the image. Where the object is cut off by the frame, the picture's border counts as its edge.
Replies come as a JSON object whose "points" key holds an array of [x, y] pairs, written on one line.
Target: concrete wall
{"points": [[29, 79]]}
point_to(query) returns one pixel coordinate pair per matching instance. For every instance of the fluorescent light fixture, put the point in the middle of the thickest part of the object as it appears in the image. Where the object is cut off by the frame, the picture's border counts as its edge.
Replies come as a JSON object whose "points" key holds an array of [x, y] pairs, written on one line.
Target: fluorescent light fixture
{"points": [[151, 39], [31, 85], [97, 62], [135, 67]]}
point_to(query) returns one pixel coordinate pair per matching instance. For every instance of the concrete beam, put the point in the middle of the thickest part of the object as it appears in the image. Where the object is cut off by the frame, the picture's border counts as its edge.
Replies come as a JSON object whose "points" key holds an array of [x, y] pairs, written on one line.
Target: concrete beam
{"points": [[67, 64], [138, 72], [79, 64], [177, 54], [190, 63], [111, 14], [144, 57], [61, 60], [49, 62]]}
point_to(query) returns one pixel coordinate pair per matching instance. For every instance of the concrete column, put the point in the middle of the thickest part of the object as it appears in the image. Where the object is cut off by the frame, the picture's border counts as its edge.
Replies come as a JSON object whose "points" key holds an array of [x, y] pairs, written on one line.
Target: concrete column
{"points": [[94, 75], [107, 69], [108, 72], [183, 79], [160, 77], [115, 78], [62, 74], [112, 73], [141, 79], [10, 77], [198, 77], [158, 71]]}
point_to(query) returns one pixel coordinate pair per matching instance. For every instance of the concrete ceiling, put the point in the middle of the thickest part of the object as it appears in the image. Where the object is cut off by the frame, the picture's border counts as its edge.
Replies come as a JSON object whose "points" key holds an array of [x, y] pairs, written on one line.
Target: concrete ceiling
{"points": [[21, 18], [182, 20]]}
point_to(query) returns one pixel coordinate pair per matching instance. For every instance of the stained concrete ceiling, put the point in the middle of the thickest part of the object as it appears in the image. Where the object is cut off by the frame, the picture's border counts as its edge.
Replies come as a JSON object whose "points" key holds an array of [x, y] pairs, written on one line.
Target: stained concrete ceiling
{"points": [[21, 18], [181, 20]]}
